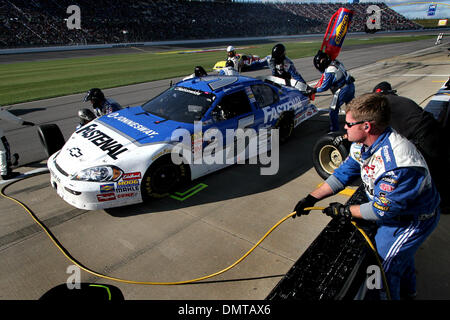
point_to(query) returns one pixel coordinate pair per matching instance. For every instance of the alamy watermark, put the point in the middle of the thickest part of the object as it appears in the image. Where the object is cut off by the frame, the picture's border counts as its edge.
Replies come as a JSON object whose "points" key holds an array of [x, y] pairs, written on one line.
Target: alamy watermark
{"points": [[74, 280], [373, 21], [373, 280], [74, 20], [215, 147]]}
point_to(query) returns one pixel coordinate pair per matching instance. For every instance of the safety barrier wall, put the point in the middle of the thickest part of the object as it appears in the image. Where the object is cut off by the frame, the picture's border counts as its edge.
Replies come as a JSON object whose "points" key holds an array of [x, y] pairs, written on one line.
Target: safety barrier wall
{"points": [[165, 43]]}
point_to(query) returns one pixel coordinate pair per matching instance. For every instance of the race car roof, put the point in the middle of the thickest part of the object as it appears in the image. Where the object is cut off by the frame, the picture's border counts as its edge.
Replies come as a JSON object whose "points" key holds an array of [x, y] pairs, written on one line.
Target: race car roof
{"points": [[217, 83]]}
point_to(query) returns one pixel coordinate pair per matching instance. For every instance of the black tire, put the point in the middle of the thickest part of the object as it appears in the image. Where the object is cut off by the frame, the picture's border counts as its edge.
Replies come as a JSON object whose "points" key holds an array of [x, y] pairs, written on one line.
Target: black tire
{"points": [[51, 138], [285, 125], [327, 157], [162, 178]]}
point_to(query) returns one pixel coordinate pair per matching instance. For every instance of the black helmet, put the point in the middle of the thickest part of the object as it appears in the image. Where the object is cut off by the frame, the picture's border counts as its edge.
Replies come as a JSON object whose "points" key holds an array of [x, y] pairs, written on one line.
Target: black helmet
{"points": [[384, 88], [95, 94], [279, 52], [200, 72], [229, 64], [321, 61]]}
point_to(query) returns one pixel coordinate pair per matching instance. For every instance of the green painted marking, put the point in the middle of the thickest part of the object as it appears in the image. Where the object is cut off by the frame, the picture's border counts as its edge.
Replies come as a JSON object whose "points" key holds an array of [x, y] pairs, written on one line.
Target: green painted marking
{"points": [[100, 286], [181, 196]]}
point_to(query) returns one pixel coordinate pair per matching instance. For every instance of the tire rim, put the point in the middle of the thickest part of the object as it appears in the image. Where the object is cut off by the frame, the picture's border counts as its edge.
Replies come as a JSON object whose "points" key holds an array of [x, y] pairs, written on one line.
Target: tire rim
{"points": [[164, 178], [329, 158]]}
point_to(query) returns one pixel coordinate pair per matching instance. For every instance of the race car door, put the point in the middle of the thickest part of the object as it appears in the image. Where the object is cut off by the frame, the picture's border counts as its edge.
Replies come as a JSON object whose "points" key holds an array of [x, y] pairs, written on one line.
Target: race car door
{"points": [[262, 96], [232, 132]]}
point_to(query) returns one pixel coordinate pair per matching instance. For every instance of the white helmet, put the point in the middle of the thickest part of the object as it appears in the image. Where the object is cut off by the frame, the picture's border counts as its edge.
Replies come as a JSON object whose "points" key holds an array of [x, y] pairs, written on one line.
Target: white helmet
{"points": [[230, 48]]}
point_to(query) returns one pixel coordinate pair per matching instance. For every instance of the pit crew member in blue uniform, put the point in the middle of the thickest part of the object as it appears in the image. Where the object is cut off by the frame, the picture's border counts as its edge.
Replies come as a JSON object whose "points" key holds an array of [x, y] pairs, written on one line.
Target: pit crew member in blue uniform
{"points": [[100, 104], [403, 200], [336, 79], [5, 154], [282, 67]]}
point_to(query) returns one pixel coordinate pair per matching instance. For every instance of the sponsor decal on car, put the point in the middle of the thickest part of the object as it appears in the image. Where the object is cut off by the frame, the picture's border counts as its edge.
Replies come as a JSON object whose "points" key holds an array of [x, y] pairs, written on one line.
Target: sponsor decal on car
{"points": [[101, 140], [107, 188], [131, 176], [273, 113], [75, 152], [127, 195], [127, 186], [133, 124], [106, 197]]}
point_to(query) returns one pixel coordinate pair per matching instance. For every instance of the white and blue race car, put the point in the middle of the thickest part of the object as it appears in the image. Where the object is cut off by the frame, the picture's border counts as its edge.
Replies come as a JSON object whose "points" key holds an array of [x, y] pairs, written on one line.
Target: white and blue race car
{"points": [[130, 156]]}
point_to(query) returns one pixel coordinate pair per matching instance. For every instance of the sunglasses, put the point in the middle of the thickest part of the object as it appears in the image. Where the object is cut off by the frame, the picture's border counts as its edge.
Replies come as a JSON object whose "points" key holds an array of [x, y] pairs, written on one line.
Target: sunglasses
{"points": [[351, 124]]}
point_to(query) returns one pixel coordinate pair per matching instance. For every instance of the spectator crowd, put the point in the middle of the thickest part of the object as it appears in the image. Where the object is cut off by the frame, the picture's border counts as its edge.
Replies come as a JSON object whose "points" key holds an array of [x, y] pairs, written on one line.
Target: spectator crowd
{"points": [[26, 23]]}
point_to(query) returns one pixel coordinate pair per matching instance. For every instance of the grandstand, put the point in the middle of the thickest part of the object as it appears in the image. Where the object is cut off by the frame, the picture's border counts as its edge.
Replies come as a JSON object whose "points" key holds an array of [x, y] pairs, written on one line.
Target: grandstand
{"points": [[29, 23]]}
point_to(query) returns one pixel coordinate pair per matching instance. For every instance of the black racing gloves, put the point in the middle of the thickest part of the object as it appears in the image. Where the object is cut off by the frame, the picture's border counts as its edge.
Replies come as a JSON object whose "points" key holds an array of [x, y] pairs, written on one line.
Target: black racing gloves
{"points": [[310, 91], [28, 123], [338, 140], [308, 201], [337, 210], [334, 210]]}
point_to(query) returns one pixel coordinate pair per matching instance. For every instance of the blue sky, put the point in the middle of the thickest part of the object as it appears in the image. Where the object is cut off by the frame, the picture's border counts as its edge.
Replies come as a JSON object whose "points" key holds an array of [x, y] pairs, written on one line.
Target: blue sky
{"points": [[410, 9]]}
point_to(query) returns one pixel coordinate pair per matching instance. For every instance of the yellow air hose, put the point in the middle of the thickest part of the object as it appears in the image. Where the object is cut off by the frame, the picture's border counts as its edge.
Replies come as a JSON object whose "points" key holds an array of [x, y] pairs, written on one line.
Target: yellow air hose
{"points": [[97, 274]]}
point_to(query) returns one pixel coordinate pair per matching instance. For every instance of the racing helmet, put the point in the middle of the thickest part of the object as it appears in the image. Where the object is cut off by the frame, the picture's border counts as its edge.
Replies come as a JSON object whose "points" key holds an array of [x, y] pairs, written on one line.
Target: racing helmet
{"points": [[279, 53], [231, 51], [200, 72], [94, 95], [85, 116], [384, 87], [321, 61]]}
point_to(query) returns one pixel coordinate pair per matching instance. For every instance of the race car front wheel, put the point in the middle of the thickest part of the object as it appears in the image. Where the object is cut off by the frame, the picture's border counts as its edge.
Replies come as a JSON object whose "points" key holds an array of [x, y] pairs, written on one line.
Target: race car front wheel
{"points": [[162, 178], [327, 157], [51, 138]]}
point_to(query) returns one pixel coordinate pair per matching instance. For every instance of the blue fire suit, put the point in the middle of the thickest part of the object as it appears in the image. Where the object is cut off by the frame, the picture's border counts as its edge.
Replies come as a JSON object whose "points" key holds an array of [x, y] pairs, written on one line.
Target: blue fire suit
{"points": [[404, 202], [108, 106], [285, 70], [339, 81]]}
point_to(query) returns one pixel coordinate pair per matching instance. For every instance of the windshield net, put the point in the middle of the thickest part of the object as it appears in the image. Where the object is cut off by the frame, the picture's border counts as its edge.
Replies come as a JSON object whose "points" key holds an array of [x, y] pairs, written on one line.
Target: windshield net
{"points": [[180, 104]]}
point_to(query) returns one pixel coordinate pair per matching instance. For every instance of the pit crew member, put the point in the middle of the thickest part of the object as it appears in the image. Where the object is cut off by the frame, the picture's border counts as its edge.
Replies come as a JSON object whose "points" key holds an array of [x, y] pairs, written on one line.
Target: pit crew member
{"points": [[339, 81], [403, 200], [100, 104]]}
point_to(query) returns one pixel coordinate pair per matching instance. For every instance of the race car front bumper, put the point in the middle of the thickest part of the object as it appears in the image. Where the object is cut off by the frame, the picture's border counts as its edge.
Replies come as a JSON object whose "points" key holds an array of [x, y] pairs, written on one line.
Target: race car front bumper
{"points": [[85, 195]]}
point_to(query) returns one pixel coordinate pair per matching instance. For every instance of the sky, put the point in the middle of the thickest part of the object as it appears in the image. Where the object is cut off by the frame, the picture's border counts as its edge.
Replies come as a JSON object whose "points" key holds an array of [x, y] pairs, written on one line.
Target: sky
{"points": [[410, 9]]}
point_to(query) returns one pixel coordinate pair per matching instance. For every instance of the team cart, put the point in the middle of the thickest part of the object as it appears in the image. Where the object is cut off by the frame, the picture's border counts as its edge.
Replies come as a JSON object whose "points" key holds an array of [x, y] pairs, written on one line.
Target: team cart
{"points": [[126, 157], [331, 150]]}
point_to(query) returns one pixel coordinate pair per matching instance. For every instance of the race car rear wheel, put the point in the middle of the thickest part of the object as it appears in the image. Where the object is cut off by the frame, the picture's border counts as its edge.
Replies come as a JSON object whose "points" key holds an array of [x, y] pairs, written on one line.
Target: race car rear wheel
{"points": [[51, 138], [285, 125], [328, 157], [162, 178]]}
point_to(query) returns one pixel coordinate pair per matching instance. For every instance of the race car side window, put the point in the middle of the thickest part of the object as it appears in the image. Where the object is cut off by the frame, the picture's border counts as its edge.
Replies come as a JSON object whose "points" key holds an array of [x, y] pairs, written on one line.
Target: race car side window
{"points": [[232, 105], [264, 95]]}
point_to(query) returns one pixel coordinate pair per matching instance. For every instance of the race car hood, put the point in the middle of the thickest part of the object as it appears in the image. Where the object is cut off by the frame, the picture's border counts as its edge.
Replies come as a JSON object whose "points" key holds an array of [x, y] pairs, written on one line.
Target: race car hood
{"points": [[115, 138]]}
